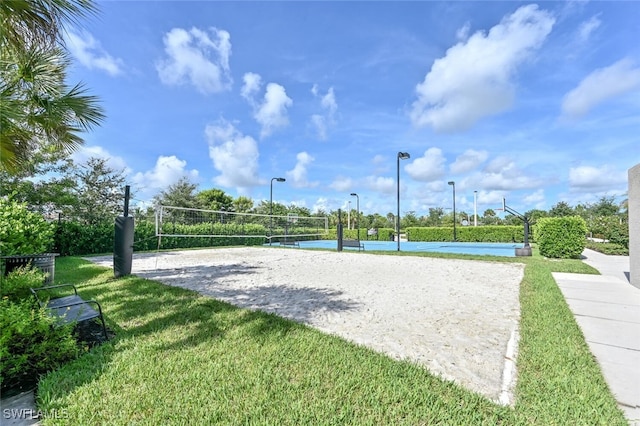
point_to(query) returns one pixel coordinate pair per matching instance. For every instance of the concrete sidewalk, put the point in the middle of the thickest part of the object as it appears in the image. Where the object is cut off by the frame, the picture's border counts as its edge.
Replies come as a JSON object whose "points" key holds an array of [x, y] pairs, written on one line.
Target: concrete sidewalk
{"points": [[607, 309]]}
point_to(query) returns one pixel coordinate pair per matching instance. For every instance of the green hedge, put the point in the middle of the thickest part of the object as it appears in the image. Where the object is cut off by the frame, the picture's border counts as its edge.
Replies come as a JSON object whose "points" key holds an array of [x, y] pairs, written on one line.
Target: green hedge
{"points": [[23, 231], [75, 239], [489, 234], [384, 234], [561, 237], [472, 234]]}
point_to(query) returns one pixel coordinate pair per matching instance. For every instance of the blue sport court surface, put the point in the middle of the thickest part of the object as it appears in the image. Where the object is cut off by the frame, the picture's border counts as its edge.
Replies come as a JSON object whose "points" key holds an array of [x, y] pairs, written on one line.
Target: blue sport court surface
{"points": [[489, 249]]}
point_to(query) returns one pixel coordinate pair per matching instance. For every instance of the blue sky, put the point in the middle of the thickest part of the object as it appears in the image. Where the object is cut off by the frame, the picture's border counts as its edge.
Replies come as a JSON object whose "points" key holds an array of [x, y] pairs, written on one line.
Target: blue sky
{"points": [[538, 103]]}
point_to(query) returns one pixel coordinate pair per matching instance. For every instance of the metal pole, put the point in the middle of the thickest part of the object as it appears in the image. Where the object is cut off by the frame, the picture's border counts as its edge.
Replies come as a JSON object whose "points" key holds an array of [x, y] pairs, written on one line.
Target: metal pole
{"points": [[278, 179], [126, 200], [453, 184], [398, 197], [271, 212], [475, 208], [353, 194], [455, 237], [401, 156]]}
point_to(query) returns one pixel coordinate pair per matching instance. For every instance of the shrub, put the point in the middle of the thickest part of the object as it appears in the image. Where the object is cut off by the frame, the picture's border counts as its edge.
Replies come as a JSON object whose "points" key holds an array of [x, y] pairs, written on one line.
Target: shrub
{"points": [[15, 286], [608, 248], [619, 234], [30, 344], [22, 231], [561, 237]]}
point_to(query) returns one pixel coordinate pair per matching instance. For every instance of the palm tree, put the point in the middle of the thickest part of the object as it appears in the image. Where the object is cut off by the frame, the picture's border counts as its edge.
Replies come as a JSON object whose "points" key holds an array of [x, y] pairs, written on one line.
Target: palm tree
{"points": [[38, 111]]}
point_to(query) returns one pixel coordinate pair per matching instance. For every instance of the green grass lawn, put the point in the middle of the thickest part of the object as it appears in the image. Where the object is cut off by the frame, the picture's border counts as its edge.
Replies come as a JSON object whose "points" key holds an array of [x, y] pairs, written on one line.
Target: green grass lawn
{"points": [[179, 358]]}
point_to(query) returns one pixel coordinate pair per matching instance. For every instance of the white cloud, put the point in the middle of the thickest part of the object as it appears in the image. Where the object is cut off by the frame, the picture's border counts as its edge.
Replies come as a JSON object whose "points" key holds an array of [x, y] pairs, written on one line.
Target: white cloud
{"points": [[272, 113], [588, 178], [88, 51], [234, 155], [167, 171], [588, 27], [116, 163], [321, 204], [251, 86], [535, 199], [322, 122], [381, 184], [298, 176], [463, 32], [601, 85], [473, 80], [503, 174], [342, 184], [198, 58], [429, 167], [468, 161], [379, 159]]}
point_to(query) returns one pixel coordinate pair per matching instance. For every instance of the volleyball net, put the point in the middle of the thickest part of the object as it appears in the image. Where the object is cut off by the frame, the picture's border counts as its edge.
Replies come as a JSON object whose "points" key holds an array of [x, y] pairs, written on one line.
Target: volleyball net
{"points": [[190, 222]]}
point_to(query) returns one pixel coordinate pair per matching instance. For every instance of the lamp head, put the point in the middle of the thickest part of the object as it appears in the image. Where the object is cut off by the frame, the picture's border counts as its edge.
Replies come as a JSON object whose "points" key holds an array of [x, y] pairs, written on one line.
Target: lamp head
{"points": [[280, 179], [353, 194], [451, 182], [403, 155]]}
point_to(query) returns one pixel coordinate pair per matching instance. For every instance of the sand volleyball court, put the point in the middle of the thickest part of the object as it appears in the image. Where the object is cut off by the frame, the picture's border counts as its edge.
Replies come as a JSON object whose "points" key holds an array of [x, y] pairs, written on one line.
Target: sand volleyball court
{"points": [[458, 318]]}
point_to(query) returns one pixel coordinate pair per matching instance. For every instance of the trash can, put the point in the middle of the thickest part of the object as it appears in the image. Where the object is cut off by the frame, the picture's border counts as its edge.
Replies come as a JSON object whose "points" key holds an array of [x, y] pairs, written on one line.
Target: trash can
{"points": [[46, 262]]}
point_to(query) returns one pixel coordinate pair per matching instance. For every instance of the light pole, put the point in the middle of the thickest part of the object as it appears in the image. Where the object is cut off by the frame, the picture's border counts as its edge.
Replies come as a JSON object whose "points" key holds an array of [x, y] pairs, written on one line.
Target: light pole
{"points": [[401, 156], [475, 208], [353, 194], [277, 179], [452, 183], [349, 214]]}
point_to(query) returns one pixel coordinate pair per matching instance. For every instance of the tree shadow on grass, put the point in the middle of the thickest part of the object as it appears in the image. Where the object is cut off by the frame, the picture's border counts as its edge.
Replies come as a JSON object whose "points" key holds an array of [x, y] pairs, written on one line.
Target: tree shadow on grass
{"points": [[136, 308]]}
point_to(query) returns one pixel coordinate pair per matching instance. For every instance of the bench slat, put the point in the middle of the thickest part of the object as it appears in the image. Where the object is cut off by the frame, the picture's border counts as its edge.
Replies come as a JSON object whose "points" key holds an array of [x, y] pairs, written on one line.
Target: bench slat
{"points": [[73, 313], [53, 303], [70, 309], [353, 243]]}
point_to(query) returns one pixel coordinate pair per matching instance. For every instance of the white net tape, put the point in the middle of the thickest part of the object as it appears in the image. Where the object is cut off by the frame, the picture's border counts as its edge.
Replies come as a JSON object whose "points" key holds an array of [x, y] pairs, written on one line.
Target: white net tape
{"points": [[189, 222]]}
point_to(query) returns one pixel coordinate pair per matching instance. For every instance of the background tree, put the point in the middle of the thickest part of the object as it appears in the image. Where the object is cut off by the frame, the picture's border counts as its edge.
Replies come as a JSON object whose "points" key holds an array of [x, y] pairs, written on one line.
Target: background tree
{"points": [[489, 217], [409, 219], [215, 199], [99, 193], [180, 194], [46, 186], [561, 209], [302, 211], [38, 111], [435, 216], [243, 205], [391, 221], [606, 206], [536, 214], [376, 220]]}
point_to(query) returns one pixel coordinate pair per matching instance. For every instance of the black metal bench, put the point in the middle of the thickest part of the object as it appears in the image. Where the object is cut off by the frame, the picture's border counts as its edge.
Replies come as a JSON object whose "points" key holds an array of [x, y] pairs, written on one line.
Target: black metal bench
{"points": [[353, 243], [70, 309], [289, 243]]}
